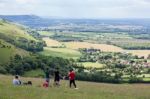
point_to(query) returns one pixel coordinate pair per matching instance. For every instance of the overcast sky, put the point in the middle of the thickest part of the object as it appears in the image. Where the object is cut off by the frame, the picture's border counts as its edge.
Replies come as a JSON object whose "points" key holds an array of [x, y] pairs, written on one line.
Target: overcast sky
{"points": [[78, 8]]}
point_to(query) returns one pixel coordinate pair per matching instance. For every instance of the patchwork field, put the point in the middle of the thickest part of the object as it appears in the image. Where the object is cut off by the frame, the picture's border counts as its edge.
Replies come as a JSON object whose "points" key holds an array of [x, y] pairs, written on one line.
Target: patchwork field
{"points": [[87, 90], [104, 47], [51, 42]]}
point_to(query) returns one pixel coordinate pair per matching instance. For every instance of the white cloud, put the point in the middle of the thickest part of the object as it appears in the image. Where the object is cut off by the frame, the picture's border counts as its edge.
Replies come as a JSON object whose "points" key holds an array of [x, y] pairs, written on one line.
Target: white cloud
{"points": [[78, 8]]}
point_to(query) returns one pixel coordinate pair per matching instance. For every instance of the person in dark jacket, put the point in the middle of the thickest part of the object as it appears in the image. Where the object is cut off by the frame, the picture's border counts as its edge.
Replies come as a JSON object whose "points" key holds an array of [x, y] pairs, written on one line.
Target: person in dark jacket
{"points": [[57, 77]]}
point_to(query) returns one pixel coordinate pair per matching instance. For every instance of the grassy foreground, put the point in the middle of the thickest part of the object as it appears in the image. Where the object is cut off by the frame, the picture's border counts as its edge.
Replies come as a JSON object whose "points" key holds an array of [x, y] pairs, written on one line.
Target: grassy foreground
{"points": [[87, 90]]}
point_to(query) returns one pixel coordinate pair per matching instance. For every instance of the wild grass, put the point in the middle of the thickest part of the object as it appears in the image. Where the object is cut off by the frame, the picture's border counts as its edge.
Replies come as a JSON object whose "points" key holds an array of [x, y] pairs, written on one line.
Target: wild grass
{"points": [[87, 90]]}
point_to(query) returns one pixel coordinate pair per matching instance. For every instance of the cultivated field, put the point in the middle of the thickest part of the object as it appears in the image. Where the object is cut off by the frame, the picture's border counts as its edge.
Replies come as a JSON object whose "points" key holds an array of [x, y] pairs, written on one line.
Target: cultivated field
{"points": [[51, 42], [87, 90], [144, 53], [90, 64], [45, 33], [103, 47], [61, 52]]}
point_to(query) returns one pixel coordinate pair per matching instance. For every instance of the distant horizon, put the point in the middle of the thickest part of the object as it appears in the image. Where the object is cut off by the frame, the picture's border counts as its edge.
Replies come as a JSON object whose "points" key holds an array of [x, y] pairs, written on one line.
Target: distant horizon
{"points": [[59, 17], [77, 9]]}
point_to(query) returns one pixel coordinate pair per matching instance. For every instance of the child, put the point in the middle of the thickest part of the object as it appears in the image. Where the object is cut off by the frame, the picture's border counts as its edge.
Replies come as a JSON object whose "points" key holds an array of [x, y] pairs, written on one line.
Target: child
{"points": [[46, 84]]}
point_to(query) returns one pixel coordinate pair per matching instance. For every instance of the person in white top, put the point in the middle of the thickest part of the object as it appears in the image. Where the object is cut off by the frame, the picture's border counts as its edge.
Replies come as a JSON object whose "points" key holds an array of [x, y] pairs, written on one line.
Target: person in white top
{"points": [[16, 81]]}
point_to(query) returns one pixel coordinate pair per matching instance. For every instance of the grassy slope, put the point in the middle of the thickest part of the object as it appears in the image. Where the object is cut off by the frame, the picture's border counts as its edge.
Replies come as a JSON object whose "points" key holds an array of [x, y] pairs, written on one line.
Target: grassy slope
{"points": [[34, 73], [87, 90], [13, 31], [6, 53]]}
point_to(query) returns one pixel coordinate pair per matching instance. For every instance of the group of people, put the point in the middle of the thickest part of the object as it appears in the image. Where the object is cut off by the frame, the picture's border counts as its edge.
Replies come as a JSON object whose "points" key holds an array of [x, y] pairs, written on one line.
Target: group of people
{"points": [[46, 84], [57, 78]]}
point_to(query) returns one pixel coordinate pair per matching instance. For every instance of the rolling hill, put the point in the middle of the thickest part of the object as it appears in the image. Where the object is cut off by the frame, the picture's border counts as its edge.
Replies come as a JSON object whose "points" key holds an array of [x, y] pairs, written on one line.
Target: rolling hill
{"points": [[14, 39], [19, 36]]}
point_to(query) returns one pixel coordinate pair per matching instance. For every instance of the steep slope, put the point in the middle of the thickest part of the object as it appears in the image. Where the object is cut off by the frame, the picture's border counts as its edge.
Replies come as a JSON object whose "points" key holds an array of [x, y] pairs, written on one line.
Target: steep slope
{"points": [[14, 31], [14, 39], [8, 50], [28, 20], [19, 37]]}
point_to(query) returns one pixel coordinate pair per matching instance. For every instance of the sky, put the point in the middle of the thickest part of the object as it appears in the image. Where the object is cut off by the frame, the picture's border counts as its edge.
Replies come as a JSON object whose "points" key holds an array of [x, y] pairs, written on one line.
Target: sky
{"points": [[77, 8]]}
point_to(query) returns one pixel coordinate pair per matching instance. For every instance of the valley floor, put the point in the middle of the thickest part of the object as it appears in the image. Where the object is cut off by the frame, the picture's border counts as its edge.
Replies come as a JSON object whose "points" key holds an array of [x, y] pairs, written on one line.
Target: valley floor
{"points": [[87, 90]]}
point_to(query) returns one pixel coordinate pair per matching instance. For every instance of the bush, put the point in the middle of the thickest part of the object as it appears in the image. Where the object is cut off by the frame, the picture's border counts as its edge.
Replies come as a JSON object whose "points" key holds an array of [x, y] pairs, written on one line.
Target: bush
{"points": [[2, 70], [135, 79], [99, 77]]}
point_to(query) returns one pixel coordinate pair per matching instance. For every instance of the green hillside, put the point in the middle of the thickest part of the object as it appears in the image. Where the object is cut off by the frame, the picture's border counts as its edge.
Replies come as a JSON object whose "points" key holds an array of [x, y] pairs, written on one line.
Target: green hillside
{"points": [[87, 90], [13, 31], [9, 37], [8, 50], [19, 36]]}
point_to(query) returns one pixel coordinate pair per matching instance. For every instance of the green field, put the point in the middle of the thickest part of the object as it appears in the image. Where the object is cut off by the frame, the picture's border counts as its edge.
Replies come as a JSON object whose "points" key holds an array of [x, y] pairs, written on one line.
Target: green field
{"points": [[91, 64], [46, 33], [87, 90], [61, 52]]}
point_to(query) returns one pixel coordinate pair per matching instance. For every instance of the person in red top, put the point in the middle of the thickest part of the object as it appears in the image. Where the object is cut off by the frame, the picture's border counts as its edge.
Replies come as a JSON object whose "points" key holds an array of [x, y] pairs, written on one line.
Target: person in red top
{"points": [[72, 78]]}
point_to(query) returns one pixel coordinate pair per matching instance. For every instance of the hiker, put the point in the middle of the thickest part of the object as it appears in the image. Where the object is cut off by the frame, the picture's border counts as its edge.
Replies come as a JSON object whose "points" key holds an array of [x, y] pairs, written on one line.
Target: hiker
{"points": [[47, 75], [16, 81], [57, 77], [72, 78]]}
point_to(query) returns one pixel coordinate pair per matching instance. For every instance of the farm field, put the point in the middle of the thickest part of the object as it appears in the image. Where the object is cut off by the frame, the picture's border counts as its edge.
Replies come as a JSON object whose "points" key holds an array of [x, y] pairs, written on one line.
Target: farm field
{"points": [[103, 47], [87, 90], [45, 33], [92, 64], [61, 52], [51, 42], [140, 53]]}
